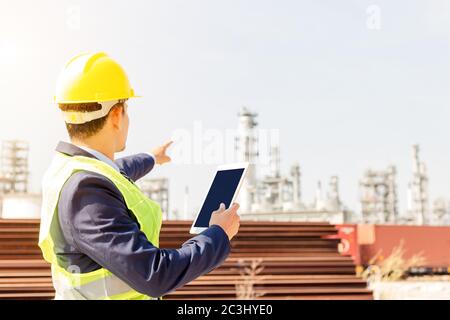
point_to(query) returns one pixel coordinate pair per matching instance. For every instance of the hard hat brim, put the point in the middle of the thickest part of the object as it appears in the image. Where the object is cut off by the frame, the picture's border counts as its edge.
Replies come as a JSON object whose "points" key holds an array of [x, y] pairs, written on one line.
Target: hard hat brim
{"points": [[87, 101]]}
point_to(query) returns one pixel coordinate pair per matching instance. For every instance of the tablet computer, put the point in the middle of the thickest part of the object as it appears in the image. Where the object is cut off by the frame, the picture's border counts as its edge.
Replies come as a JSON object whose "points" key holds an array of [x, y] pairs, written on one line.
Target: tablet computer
{"points": [[224, 189]]}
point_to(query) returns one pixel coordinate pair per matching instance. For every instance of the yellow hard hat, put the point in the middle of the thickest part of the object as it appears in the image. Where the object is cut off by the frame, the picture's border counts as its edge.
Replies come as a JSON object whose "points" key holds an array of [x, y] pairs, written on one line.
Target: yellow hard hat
{"points": [[92, 77]]}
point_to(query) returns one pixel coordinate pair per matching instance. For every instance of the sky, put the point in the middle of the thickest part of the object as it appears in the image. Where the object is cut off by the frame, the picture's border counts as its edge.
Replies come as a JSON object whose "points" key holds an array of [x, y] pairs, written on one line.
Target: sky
{"points": [[350, 85]]}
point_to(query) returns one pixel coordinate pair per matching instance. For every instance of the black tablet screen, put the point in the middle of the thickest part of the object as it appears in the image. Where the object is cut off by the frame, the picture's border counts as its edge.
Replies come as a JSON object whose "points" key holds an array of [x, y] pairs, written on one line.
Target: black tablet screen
{"points": [[222, 190]]}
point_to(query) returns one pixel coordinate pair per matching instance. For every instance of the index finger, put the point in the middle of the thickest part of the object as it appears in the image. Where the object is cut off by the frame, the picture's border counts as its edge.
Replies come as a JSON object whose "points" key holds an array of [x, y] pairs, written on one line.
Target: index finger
{"points": [[235, 206], [167, 144]]}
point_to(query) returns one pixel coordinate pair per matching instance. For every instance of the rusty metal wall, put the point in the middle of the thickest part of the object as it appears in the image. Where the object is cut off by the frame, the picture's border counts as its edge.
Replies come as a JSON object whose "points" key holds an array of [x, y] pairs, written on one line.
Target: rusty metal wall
{"points": [[368, 240]]}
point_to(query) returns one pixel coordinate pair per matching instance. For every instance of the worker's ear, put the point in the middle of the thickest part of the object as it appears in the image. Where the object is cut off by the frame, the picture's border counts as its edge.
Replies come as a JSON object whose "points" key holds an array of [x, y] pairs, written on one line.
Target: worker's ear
{"points": [[116, 114]]}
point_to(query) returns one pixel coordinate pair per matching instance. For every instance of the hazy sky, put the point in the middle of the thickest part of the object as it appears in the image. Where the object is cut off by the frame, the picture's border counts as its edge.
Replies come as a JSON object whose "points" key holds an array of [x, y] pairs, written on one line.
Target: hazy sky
{"points": [[345, 97]]}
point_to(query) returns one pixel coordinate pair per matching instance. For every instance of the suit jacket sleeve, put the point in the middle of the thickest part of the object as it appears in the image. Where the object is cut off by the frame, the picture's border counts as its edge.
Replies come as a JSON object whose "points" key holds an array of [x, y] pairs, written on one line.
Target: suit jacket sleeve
{"points": [[136, 166]]}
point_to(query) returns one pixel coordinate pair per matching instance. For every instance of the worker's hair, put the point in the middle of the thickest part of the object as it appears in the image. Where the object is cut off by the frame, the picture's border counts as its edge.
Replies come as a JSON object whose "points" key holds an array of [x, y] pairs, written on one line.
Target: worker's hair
{"points": [[88, 129]]}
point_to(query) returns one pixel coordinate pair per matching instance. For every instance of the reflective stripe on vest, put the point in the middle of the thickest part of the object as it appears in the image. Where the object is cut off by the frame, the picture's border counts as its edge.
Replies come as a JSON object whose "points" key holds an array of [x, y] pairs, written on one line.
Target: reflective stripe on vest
{"points": [[101, 283]]}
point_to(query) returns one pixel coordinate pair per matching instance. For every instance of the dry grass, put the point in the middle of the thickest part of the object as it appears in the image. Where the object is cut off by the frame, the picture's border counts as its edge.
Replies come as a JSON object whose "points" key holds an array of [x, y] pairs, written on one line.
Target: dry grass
{"points": [[392, 268], [249, 276]]}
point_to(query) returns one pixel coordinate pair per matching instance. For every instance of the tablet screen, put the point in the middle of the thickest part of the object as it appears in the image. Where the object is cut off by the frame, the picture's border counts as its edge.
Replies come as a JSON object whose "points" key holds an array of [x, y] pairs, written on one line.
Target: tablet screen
{"points": [[222, 189]]}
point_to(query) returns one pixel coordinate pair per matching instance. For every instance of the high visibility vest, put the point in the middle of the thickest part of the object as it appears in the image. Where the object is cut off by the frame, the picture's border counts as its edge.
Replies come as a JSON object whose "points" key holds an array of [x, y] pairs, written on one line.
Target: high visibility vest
{"points": [[69, 283]]}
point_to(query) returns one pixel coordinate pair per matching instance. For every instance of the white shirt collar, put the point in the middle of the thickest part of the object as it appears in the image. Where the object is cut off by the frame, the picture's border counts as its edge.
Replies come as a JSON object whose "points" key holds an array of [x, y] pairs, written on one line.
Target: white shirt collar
{"points": [[100, 156]]}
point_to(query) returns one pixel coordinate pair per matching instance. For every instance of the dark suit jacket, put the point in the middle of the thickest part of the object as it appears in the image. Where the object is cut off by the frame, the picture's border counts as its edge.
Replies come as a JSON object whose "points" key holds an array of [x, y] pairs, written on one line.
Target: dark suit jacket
{"points": [[97, 230]]}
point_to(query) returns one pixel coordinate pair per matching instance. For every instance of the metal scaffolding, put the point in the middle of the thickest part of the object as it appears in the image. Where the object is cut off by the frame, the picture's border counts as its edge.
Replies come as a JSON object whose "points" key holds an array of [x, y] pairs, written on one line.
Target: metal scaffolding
{"points": [[275, 192], [418, 208], [157, 189], [379, 196], [14, 167], [246, 147]]}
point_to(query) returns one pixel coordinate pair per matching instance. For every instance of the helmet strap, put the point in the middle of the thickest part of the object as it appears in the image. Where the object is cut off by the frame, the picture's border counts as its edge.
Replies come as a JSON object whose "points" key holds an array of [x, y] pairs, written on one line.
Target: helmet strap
{"points": [[80, 117]]}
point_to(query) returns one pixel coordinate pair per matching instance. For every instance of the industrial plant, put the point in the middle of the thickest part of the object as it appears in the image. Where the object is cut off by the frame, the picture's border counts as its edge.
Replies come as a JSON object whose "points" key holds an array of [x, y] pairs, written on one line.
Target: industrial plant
{"points": [[15, 200], [277, 197], [266, 195]]}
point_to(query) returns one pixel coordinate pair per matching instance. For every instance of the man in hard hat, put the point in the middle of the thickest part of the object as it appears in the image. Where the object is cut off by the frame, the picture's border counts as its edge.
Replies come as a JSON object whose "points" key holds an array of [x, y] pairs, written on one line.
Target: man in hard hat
{"points": [[98, 230]]}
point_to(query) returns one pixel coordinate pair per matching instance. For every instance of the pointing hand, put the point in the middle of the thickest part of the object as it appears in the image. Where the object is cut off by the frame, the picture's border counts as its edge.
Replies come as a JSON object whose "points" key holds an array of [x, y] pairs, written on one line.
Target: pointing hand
{"points": [[160, 153]]}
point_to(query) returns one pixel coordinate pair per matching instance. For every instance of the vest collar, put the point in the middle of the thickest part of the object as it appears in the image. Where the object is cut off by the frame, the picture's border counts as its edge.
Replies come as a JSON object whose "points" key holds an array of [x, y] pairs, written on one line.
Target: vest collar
{"points": [[72, 150]]}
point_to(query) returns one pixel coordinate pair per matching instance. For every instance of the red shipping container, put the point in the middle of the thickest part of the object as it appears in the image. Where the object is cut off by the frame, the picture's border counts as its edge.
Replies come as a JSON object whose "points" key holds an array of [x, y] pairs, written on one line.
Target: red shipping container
{"points": [[348, 233], [364, 241]]}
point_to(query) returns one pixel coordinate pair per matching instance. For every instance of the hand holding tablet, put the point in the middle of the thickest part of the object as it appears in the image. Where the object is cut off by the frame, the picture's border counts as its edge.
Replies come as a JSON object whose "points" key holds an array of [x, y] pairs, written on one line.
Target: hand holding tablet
{"points": [[227, 219], [223, 190]]}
